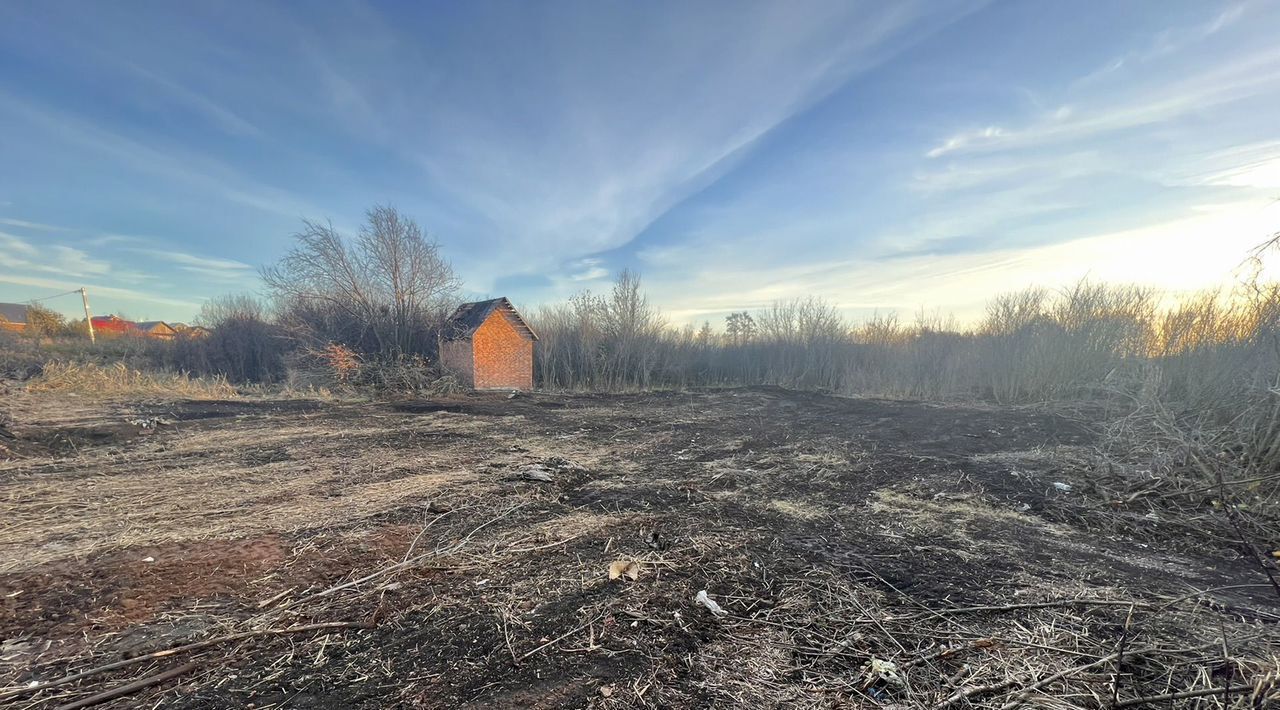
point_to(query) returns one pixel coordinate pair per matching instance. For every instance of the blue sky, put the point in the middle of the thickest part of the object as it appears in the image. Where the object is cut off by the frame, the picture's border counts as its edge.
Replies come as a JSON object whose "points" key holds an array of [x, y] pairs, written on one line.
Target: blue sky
{"points": [[883, 155]]}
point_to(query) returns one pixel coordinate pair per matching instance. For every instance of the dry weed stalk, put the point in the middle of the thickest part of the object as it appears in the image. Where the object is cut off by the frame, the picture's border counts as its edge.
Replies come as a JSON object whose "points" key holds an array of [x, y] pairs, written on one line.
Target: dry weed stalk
{"points": [[99, 382], [1004, 656]]}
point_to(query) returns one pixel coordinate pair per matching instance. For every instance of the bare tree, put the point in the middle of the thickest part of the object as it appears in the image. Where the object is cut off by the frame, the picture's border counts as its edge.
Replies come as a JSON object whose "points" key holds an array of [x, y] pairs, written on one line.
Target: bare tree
{"points": [[740, 327], [385, 291], [229, 307], [633, 327]]}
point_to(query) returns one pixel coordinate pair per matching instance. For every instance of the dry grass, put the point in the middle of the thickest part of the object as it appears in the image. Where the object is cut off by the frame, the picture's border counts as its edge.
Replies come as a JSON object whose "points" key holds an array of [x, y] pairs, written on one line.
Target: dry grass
{"points": [[118, 381], [1042, 650], [796, 509], [202, 485], [956, 515]]}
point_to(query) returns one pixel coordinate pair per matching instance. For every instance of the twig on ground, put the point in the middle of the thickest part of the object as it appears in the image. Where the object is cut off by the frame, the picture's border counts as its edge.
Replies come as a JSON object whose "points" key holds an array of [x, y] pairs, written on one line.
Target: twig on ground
{"points": [[188, 648], [130, 688], [1124, 640], [949, 652], [1041, 605], [1233, 514], [1180, 695], [506, 635], [274, 598], [1026, 692], [970, 692], [404, 564], [558, 639]]}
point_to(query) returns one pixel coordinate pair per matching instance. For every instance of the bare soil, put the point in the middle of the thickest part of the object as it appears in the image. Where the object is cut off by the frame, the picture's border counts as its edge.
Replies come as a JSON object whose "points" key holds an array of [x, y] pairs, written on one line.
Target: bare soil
{"points": [[961, 545]]}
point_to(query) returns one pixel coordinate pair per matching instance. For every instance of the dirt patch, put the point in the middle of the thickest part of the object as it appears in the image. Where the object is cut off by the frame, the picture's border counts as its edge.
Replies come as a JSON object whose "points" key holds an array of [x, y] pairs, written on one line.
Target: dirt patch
{"points": [[111, 591], [834, 532]]}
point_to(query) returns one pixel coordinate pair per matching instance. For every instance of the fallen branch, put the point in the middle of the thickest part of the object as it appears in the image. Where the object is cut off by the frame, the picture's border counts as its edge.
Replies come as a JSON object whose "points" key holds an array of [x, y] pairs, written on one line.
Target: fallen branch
{"points": [[967, 693], [129, 688], [1038, 605], [1180, 695]]}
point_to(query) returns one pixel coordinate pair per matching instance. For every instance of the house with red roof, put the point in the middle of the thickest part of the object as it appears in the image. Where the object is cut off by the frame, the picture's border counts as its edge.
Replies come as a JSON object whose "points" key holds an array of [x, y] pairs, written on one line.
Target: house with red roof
{"points": [[115, 325]]}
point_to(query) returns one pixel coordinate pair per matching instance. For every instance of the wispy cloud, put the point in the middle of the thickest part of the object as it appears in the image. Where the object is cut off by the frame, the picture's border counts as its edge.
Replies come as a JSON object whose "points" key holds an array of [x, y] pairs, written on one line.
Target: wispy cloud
{"points": [[587, 270], [171, 162], [56, 259], [74, 262], [615, 163], [1189, 253], [218, 114], [96, 289], [13, 244], [935, 179], [1168, 41], [1253, 165], [205, 263], [102, 240], [24, 224], [966, 139], [115, 276], [1241, 79]]}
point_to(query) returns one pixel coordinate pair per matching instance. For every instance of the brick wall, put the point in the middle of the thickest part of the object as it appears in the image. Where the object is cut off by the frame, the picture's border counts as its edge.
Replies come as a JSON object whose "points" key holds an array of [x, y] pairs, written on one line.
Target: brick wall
{"points": [[456, 355], [502, 358]]}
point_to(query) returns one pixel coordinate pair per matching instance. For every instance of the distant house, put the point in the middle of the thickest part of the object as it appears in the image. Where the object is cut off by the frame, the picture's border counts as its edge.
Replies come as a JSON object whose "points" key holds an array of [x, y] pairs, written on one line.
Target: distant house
{"points": [[13, 317], [190, 331], [114, 324], [156, 329], [489, 345]]}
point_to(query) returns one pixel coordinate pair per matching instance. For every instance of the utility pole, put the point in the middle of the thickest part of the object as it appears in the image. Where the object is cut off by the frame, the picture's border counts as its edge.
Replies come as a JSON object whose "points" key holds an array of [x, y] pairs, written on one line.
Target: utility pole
{"points": [[88, 317]]}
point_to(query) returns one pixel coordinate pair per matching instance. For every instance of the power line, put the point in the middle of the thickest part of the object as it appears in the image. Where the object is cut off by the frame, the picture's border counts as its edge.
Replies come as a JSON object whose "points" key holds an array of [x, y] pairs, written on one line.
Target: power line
{"points": [[57, 295], [84, 298]]}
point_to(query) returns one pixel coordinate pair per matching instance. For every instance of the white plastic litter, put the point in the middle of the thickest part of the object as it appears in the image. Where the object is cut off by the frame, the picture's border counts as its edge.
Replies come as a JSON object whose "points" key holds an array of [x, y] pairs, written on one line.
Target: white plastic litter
{"points": [[880, 670], [537, 473], [1064, 487], [710, 603]]}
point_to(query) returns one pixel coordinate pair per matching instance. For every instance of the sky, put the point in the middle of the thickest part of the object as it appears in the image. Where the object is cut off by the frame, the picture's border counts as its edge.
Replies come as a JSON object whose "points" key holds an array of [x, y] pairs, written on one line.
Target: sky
{"points": [[886, 156]]}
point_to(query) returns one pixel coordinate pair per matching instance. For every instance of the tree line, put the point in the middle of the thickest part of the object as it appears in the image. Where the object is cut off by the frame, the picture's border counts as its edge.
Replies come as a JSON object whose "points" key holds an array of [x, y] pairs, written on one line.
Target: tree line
{"points": [[379, 298]]}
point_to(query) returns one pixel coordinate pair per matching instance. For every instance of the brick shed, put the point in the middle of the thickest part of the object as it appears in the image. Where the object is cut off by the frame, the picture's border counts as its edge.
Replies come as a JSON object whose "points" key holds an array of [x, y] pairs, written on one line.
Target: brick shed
{"points": [[489, 345]]}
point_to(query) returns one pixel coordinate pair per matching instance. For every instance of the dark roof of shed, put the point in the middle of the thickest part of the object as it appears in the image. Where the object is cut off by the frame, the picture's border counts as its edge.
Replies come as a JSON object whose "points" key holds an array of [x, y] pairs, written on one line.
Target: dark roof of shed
{"points": [[13, 312], [149, 324], [470, 316]]}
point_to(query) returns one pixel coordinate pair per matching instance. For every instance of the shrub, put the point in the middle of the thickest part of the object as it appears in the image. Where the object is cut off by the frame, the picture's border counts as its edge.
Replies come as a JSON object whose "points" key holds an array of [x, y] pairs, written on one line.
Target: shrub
{"points": [[20, 359], [406, 374], [342, 363], [242, 344], [242, 349]]}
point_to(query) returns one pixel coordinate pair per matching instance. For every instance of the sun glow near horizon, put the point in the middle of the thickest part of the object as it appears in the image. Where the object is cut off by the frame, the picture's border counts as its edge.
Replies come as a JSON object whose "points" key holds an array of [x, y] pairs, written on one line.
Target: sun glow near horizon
{"points": [[1211, 250]]}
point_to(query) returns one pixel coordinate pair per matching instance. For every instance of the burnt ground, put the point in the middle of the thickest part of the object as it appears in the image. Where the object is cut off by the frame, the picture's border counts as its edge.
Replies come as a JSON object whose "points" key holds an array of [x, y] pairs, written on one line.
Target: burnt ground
{"points": [[866, 553]]}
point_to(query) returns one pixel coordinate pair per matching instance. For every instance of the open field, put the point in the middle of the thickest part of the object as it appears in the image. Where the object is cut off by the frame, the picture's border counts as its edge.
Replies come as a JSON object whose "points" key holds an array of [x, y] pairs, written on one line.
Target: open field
{"points": [[866, 553]]}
